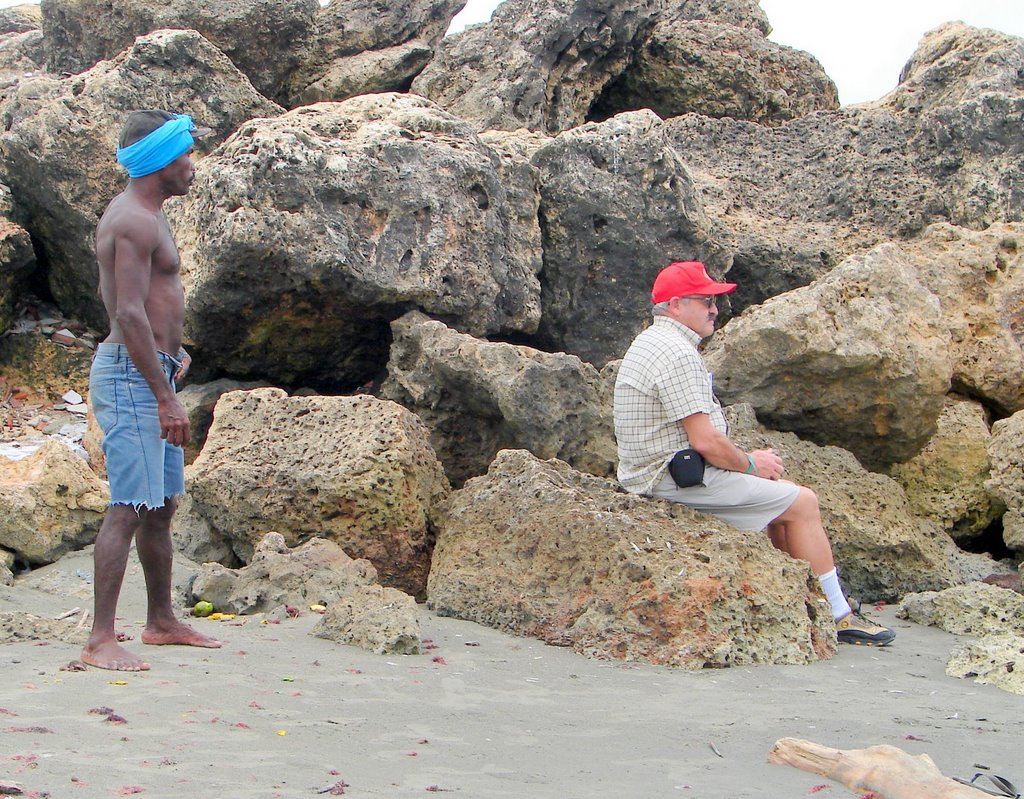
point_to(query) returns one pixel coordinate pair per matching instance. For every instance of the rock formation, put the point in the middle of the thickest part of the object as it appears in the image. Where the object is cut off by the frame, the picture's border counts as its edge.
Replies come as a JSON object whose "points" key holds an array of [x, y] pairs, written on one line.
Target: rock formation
{"points": [[305, 235], [355, 470], [535, 548], [16, 258], [994, 660], [976, 609], [57, 148], [1006, 454], [479, 397], [21, 18], [51, 503]]}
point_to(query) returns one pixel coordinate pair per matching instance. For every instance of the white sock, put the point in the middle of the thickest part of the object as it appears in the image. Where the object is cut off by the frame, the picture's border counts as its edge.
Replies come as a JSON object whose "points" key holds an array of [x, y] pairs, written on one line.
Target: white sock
{"points": [[834, 593]]}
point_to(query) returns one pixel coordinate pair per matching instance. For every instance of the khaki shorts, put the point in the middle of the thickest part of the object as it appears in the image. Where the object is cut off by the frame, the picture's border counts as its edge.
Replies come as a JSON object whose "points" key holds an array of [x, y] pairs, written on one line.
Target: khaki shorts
{"points": [[745, 501]]}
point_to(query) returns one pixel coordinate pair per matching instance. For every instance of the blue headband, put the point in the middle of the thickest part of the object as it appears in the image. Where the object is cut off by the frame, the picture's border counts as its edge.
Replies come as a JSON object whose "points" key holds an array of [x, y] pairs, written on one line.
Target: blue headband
{"points": [[156, 150]]}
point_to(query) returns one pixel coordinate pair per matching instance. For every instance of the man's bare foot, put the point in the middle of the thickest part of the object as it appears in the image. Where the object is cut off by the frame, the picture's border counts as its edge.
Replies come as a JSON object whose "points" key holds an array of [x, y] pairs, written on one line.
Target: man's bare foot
{"points": [[177, 633], [108, 655]]}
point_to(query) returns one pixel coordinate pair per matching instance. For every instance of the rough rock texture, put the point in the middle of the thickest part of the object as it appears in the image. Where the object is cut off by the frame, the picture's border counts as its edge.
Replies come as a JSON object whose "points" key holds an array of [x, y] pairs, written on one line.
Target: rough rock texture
{"points": [[478, 397], [317, 572], [355, 470], [1006, 454], [382, 620], [199, 400], [305, 235], [543, 64], [945, 481], [16, 258], [719, 71], [538, 549], [263, 38], [859, 359], [978, 277], [21, 57], [57, 148], [195, 538], [800, 197], [604, 245], [972, 609], [21, 18], [26, 627], [363, 46], [50, 502], [994, 660], [42, 367], [882, 550]]}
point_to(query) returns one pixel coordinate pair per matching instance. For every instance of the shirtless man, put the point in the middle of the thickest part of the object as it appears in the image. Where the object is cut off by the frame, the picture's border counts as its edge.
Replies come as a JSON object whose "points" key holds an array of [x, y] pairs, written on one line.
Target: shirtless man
{"points": [[132, 384]]}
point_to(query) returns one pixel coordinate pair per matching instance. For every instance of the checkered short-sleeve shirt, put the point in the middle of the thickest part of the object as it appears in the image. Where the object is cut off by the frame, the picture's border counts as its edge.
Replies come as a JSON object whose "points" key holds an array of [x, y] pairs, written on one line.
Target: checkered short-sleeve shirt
{"points": [[661, 381]]}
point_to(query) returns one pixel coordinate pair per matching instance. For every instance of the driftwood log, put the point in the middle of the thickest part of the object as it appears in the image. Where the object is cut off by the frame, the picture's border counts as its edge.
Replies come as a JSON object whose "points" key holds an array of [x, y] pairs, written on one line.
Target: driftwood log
{"points": [[885, 771]]}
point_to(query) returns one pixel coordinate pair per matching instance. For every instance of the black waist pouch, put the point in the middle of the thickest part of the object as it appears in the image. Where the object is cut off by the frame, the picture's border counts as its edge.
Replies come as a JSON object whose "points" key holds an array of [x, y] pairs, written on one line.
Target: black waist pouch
{"points": [[687, 468]]}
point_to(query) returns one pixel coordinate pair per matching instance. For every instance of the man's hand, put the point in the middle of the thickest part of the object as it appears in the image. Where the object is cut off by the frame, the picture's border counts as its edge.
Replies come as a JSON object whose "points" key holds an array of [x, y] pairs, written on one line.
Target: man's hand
{"points": [[174, 424], [768, 464], [186, 362]]}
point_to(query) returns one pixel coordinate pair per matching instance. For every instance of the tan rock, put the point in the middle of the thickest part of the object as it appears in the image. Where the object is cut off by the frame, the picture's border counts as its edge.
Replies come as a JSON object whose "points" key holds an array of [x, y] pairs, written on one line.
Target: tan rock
{"points": [[354, 470], [51, 503], [16, 627], [994, 660], [21, 18], [478, 397], [1006, 454], [972, 609], [538, 549], [382, 620], [43, 368], [945, 481]]}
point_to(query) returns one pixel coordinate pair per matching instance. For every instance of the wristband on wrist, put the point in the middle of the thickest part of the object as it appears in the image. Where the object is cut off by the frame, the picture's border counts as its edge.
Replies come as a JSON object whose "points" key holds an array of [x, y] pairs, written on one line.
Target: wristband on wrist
{"points": [[752, 467]]}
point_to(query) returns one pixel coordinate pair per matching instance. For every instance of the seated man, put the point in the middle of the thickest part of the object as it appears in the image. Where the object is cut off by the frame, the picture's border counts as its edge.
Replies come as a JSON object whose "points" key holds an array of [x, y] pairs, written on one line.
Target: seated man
{"points": [[664, 403]]}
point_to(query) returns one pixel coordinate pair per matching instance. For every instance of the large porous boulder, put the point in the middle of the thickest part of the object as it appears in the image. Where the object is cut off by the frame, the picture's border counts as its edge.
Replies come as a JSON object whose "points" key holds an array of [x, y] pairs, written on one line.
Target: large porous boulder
{"points": [[973, 609], [51, 503], [16, 258], [357, 471], [881, 548], [994, 660], [538, 549], [603, 244], [1006, 454], [978, 277], [265, 39], [717, 70], [199, 401], [57, 148], [362, 47], [859, 359], [478, 397], [544, 64], [316, 572], [382, 620], [305, 235], [21, 57], [21, 18], [945, 481]]}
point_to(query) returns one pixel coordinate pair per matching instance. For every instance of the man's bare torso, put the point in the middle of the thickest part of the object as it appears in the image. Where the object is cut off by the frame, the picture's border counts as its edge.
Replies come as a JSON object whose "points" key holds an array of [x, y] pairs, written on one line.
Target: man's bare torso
{"points": [[128, 223]]}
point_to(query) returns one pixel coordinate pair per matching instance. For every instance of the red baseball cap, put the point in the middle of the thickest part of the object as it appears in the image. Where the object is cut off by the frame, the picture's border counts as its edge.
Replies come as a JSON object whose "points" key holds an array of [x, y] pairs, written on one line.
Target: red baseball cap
{"points": [[684, 279]]}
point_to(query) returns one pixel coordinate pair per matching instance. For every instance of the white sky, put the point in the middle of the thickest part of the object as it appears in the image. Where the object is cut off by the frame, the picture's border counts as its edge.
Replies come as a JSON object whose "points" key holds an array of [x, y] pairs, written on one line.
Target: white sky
{"points": [[863, 44]]}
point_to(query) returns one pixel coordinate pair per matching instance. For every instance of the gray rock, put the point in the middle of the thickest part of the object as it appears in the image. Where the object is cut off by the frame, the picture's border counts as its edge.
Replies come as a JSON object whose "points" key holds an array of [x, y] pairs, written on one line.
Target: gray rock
{"points": [[263, 38], [994, 660], [478, 397], [382, 620], [17, 258], [537, 549], [57, 148], [718, 70], [21, 18], [617, 205], [359, 211], [945, 481], [859, 359], [357, 471], [21, 57], [881, 548], [1006, 454], [372, 72], [197, 539], [973, 609]]}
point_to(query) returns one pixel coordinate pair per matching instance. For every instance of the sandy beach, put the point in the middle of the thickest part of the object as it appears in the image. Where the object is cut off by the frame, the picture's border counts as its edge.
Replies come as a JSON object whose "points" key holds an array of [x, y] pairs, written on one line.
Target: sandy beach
{"points": [[279, 713]]}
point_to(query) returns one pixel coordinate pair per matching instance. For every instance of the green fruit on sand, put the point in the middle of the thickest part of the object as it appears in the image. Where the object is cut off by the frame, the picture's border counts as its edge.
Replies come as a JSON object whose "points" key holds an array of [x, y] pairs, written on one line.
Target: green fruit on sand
{"points": [[202, 608]]}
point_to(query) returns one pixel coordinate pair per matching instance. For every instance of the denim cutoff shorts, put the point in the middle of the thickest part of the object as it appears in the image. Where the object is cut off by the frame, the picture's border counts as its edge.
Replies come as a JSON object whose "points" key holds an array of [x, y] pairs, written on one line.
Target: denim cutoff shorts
{"points": [[142, 468]]}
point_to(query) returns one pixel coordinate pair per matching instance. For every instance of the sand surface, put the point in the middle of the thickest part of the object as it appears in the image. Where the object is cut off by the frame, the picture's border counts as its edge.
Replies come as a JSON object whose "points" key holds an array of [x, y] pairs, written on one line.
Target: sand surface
{"points": [[279, 713]]}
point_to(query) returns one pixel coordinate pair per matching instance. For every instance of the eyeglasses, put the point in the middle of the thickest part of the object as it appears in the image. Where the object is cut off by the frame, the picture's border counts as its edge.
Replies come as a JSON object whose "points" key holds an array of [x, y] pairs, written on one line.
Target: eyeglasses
{"points": [[708, 301]]}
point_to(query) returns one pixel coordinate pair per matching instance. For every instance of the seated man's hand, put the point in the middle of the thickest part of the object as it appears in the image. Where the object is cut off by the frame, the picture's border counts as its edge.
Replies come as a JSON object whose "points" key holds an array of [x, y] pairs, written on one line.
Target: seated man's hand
{"points": [[769, 465]]}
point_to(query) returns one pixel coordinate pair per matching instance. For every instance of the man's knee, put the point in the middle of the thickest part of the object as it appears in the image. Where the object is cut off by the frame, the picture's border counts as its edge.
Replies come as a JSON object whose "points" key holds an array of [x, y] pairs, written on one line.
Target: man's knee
{"points": [[162, 515]]}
